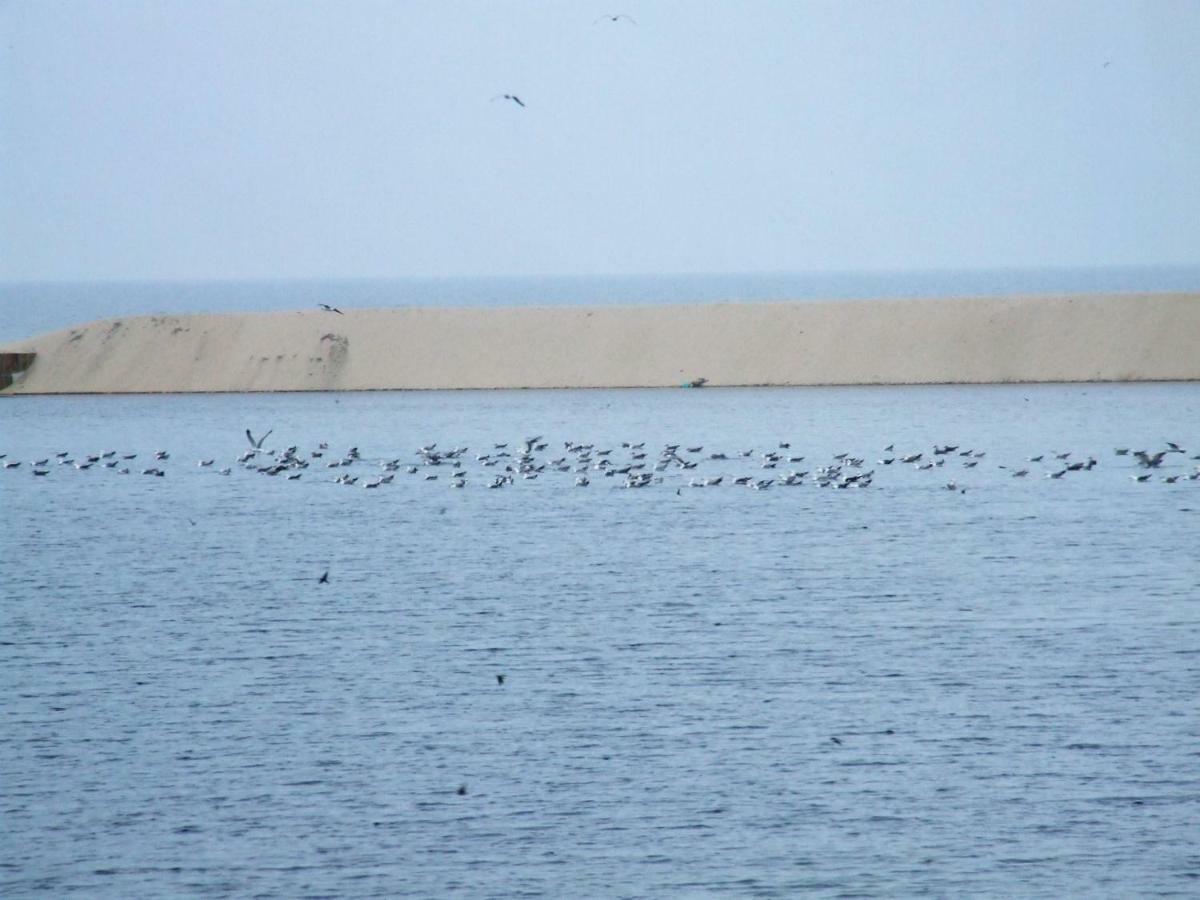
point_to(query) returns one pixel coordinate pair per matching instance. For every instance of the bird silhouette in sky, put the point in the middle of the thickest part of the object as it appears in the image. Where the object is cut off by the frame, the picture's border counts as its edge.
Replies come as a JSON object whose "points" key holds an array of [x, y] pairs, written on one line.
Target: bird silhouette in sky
{"points": [[615, 17], [328, 308], [513, 97]]}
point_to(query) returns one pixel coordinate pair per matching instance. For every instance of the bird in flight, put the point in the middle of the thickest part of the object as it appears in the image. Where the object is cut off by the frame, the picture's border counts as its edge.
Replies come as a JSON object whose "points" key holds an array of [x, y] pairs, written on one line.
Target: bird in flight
{"points": [[324, 579], [615, 17], [257, 445], [513, 97], [328, 308]]}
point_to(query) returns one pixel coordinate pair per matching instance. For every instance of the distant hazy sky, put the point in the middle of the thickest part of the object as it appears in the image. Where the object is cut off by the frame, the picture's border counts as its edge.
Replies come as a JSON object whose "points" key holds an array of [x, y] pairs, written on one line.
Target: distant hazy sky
{"points": [[195, 139]]}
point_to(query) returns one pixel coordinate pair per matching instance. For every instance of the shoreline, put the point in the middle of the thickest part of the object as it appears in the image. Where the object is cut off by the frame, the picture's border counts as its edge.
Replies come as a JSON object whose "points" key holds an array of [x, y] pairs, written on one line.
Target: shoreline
{"points": [[983, 340]]}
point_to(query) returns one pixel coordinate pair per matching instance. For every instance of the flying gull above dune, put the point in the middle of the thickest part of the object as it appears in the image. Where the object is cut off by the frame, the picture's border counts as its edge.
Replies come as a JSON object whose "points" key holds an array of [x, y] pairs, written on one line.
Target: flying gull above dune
{"points": [[513, 97], [328, 308]]}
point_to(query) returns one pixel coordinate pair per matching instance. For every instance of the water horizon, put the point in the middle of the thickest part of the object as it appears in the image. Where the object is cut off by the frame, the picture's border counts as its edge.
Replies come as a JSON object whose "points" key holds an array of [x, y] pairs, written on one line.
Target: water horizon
{"points": [[28, 308]]}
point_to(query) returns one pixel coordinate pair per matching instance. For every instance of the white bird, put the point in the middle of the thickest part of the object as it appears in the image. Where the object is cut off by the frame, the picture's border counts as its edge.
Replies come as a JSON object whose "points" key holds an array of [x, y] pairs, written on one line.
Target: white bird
{"points": [[257, 444]]}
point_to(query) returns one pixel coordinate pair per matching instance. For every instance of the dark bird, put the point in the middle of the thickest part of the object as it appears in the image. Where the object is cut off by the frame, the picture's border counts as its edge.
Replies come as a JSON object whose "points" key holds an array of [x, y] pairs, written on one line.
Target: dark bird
{"points": [[1146, 461], [332, 309], [513, 97], [499, 679], [615, 17], [257, 444], [836, 740], [324, 579], [462, 790]]}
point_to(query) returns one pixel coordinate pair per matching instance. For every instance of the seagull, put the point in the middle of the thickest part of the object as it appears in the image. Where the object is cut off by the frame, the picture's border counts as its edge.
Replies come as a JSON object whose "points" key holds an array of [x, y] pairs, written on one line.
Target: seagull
{"points": [[513, 97], [1150, 462], [332, 309], [257, 445], [615, 17], [324, 579]]}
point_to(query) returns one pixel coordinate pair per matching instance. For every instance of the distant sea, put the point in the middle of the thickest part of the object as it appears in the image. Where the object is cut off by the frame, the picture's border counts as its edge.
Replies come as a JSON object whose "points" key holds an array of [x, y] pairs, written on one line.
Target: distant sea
{"points": [[28, 308]]}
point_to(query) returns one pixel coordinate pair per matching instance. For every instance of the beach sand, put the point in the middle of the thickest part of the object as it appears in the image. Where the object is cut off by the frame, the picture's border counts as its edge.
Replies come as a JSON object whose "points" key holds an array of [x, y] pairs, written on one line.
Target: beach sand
{"points": [[1128, 337]]}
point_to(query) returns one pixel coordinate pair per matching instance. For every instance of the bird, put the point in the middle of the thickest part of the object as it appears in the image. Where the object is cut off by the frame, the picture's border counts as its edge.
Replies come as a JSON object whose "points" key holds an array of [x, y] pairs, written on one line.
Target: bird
{"points": [[257, 444], [615, 17], [1147, 461], [462, 790], [513, 97], [324, 579], [499, 679], [836, 740], [332, 309]]}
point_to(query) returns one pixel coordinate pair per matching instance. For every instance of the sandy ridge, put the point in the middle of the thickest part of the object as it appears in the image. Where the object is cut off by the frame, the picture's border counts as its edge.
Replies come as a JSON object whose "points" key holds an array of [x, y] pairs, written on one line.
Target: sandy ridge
{"points": [[1127, 337]]}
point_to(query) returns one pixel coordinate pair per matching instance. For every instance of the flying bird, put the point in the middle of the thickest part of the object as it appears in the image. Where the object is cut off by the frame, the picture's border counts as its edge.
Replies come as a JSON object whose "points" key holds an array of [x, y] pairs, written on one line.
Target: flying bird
{"points": [[615, 17], [324, 579], [513, 97], [328, 308], [257, 445]]}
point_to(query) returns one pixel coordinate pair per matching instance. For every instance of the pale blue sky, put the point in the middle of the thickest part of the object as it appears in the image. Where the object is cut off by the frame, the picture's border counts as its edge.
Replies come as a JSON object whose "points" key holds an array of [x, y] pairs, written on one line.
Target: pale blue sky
{"points": [[196, 139]]}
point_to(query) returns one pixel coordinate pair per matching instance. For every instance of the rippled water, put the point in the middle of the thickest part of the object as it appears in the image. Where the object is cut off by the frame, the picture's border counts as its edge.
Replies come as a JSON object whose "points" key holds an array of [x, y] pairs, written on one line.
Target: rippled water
{"points": [[1010, 672]]}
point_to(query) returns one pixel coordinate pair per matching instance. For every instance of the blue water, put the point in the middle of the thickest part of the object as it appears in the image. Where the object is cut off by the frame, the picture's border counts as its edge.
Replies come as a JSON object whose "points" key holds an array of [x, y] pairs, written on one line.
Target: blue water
{"points": [[28, 309], [1010, 672]]}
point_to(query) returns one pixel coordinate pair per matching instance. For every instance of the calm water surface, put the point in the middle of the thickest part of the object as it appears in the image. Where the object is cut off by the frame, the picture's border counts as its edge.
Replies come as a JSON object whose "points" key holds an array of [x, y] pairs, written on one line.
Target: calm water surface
{"points": [[1010, 673]]}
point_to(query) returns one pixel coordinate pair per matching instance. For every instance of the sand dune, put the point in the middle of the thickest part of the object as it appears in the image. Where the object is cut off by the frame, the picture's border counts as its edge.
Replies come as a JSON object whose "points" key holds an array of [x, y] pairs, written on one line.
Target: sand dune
{"points": [[970, 340]]}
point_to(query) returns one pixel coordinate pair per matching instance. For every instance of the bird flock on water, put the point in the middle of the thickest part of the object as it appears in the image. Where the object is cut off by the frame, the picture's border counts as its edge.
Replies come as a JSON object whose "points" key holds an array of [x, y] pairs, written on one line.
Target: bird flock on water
{"points": [[626, 465]]}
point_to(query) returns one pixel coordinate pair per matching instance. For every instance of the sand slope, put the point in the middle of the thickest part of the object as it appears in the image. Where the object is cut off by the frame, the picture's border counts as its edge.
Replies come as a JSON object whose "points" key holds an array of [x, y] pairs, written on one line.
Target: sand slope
{"points": [[1081, 338]]}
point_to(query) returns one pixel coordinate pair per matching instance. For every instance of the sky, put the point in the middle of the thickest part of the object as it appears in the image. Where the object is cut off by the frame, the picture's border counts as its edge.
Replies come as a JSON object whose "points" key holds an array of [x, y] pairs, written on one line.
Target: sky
{"points": [[192, 139]]}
